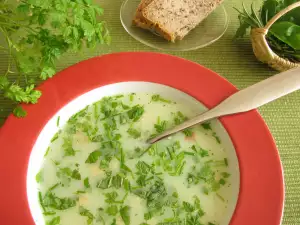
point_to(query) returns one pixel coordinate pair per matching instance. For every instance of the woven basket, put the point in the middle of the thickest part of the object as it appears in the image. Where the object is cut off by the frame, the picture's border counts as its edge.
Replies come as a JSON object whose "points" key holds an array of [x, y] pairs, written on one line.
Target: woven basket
{"points": [[262, 50]]}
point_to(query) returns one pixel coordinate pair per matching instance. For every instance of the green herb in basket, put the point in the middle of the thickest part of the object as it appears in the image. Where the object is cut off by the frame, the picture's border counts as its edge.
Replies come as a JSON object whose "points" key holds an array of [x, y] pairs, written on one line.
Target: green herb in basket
{"points": [[36, 34], [284, 34]]}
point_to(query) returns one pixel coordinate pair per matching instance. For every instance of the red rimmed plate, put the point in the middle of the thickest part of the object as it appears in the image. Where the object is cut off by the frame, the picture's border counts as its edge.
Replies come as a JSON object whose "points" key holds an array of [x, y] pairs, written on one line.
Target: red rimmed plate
{"points": [[261, 193]]}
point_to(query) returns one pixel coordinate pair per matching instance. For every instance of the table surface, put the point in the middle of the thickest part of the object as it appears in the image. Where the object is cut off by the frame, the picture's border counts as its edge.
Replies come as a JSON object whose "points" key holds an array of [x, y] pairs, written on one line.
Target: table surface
{"points": [[233, 60]]}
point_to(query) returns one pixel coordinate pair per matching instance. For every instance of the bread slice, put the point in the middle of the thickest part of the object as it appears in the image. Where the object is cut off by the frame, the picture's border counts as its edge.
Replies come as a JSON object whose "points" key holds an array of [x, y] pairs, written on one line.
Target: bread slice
{"points": [[138, 19], [174, 19]]}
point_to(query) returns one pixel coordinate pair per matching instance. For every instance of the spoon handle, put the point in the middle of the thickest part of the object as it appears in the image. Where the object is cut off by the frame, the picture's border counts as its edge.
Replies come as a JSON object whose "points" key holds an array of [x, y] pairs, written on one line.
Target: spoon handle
{"points": [[247, 99]]}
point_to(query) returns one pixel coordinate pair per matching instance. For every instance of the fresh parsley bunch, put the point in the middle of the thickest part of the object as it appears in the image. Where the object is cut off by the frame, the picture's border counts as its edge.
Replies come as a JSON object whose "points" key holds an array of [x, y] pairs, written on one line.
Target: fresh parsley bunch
{"points": [[284, 34], [37, 33]]}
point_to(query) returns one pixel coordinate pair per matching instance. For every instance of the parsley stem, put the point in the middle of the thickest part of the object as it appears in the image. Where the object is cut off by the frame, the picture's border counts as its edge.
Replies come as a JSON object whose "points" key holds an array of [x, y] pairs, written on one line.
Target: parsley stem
{"points": [[170, 154], [189, 153], [41, 201]]}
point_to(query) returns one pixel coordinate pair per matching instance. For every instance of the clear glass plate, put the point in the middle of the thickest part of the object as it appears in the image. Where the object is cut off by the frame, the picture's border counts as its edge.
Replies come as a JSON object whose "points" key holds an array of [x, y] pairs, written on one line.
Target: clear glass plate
{"points": [[207, 32]]}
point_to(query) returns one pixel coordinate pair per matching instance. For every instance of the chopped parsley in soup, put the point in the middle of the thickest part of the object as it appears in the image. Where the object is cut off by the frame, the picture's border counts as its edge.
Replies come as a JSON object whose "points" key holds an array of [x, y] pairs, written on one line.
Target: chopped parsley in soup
{"points": [[99, 169]]}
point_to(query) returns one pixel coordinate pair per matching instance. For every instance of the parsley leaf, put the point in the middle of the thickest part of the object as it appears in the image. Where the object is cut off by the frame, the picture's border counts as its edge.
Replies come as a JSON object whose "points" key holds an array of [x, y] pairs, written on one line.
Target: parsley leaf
{"points": [[19, 112], [93, 157], [134, 133], [135, 112], [67, 172], [206, 126], [84, 212], [124, 212], [188, 207], [52, 201], [200, 151], [104, 163], [160, 126], [86, 183], [180, 118], [55, 137], [225, 174], [52, 29], [68, 147], [111, 197], [158, 98], [76, 175], [112, 210], [39, 177], [54, 221]]}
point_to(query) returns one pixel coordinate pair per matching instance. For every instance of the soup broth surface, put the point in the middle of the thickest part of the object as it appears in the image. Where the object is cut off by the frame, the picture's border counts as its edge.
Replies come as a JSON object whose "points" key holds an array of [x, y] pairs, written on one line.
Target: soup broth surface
{"points": [[99, 169]]}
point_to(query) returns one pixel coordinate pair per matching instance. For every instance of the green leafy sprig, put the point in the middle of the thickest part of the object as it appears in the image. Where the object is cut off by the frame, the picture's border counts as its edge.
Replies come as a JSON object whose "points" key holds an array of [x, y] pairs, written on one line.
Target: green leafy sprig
{"points": [[283, 36], [37, 33]]}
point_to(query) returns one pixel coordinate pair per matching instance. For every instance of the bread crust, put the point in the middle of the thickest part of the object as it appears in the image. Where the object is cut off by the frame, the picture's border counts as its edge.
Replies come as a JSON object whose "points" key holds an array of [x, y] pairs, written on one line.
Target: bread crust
{"points": [[142, 22], [138, 19]]}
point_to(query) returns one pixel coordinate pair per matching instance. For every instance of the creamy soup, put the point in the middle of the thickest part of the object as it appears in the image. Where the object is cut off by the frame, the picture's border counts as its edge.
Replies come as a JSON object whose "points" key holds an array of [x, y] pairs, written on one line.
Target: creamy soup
{"points": [[99, 169]]}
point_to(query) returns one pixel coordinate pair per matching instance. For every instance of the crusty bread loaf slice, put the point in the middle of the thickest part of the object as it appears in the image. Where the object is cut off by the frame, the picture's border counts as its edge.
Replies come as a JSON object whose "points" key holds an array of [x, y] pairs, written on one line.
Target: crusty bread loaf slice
{"points": [[174, 19], [138, 19]]}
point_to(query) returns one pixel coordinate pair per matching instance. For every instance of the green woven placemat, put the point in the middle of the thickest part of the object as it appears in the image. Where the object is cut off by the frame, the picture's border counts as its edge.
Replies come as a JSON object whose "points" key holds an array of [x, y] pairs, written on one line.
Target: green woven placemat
{"points": [[236, 62]]}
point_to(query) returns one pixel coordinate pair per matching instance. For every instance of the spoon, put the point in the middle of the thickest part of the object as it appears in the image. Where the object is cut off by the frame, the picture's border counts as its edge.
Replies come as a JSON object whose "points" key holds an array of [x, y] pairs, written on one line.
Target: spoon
{"points": [[245, 100]]}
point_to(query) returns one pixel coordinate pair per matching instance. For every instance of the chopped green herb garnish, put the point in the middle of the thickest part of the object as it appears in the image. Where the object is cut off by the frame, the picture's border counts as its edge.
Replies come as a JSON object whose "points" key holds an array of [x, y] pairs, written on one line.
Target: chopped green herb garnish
{"points": [[39, 177], [57, 121], [84, 212], [124, 212], [188, 132], [99, 216], [68, 147], [126, 185], [66, 171], [189, 153], [76, 175], [47, 151], [134, 133], [158, 98], [112, 210], [135, 113], [111, 197], [126, 168], [188, 207], [218, 140], [54, 221], [104, 163], [206, 126], [179, 118], [175, 194], [222, 181], [55, 137], [220, 197], [144, 168], [49, 213], [225, 174], [160, 126], [131, 96], [80, 192], [41, 201], [93, 157], [114, 222], [52, 201], [148, 216], [226, 161], [86, 183], [106, 182], [200, 151]]}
